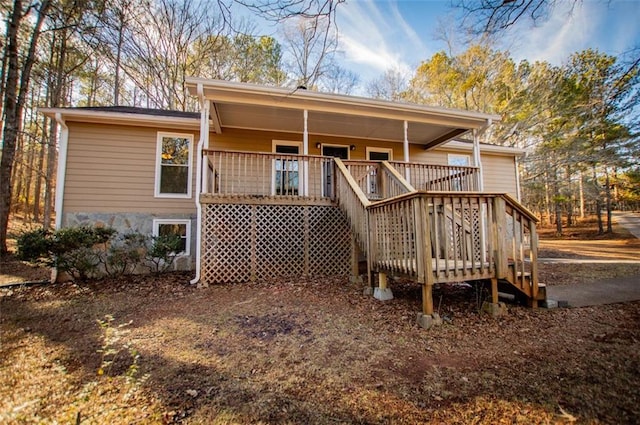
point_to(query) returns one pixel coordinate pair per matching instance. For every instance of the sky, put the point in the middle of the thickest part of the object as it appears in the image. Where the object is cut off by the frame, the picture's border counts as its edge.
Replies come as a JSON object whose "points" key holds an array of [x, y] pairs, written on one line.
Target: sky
{"points": [[375, 36]]}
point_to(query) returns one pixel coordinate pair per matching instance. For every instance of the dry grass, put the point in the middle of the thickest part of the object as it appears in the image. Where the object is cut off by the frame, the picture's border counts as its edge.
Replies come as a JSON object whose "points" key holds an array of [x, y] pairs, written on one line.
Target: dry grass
{"points": [[308, 352], [315, 351]]}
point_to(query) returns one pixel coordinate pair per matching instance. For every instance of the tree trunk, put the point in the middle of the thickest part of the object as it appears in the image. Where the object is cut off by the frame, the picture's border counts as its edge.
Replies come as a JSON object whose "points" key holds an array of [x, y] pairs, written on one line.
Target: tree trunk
{"points": [[14, 104], [39, 176], [581, 190], [607, 192], [56, 100]]}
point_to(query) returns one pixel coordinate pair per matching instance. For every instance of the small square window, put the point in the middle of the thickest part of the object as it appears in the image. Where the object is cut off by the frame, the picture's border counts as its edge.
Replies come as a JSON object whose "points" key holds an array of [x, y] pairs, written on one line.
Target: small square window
{"points": [[182, 228]]}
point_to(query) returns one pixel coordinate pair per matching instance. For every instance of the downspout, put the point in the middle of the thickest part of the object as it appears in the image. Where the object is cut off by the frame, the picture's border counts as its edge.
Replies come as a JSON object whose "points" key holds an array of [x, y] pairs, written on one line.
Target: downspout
{"points": [[61, 175], [407, 171], [62, 168], [204, 140], [515, 159], [477, 161]]}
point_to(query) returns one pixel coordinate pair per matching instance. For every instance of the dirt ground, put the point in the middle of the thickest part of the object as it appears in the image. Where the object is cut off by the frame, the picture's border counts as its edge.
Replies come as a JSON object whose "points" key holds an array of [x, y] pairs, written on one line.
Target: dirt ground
{"points": [[158, 350]]}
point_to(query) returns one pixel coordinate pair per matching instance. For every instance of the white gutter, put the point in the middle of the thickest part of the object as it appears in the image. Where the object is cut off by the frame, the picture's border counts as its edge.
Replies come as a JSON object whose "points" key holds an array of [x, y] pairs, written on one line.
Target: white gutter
{"points": [[204, 140], [515, 159], [62, 168]]}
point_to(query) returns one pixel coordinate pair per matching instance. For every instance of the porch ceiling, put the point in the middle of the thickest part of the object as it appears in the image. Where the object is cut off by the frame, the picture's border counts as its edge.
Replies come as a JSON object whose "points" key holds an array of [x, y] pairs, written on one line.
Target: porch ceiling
{"points": [[248, 106], [330, 124]]}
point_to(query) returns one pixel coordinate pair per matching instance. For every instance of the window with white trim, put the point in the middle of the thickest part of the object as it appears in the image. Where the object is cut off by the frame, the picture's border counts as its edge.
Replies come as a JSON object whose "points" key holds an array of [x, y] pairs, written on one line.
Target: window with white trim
{"points": [[459, 160], [182, 228], [174, 155]]}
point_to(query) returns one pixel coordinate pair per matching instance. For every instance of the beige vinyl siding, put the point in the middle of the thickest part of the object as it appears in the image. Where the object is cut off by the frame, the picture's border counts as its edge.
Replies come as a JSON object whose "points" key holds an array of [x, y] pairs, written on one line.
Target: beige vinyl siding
{"points": [[499, 173], [111, 168]]}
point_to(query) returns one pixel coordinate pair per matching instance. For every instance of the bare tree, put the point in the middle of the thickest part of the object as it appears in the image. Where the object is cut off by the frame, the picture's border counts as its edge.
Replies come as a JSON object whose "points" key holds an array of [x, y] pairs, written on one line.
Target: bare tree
{"points": [[310, 45], [491, 16], [389, 86]]}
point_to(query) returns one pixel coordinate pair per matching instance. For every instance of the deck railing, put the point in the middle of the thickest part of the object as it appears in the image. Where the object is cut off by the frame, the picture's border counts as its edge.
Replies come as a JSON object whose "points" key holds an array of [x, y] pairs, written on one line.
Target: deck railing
{"points": [[448, 237], [378, 179], [446, 178], [268, 174]]}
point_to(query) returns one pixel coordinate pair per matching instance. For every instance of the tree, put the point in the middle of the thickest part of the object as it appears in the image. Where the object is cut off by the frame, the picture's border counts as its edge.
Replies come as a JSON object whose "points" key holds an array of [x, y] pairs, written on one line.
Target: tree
{"points": [[492, 16], [389, 86], [310, 45], [16, 86]]}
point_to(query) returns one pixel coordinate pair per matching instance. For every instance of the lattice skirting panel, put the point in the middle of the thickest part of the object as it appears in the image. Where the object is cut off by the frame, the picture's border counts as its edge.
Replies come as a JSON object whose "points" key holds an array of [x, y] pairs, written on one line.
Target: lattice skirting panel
{"points": [[242, 243]]}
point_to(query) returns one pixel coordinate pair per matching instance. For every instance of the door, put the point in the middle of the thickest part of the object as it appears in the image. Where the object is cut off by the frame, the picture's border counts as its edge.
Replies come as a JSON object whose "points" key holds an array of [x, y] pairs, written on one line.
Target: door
{"points": [[376, 154], [286, 178], [328, 176]]}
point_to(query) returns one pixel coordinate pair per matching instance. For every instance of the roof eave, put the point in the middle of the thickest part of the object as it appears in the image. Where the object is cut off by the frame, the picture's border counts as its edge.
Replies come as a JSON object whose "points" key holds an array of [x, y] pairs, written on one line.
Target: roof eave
{"points": [[110, 117], [233, 92]]}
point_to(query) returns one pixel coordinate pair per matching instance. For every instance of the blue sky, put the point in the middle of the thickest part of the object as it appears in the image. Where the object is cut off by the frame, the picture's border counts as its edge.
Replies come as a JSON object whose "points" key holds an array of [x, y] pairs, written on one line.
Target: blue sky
{"points": [[377, 35]]}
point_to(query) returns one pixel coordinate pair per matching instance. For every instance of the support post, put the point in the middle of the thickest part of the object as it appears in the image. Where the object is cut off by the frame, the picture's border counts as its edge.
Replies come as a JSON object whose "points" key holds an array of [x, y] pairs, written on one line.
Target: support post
{"points": [[407, 171], [382, 292], [305, 151], [494, 290]]}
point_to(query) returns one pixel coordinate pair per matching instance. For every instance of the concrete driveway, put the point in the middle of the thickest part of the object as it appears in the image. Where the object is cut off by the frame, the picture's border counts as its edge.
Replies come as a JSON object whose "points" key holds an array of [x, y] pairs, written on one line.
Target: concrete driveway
{"points": [[607, 291]]}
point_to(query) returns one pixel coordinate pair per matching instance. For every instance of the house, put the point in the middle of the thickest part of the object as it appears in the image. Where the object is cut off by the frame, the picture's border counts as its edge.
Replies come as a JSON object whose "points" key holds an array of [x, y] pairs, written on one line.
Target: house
{"points": [[268, 182]]}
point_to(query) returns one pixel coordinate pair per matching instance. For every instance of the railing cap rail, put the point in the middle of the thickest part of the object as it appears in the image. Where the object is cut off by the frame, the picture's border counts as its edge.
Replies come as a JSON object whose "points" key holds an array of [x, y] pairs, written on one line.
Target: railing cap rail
{"points": [[508, 198], [212, 151]]}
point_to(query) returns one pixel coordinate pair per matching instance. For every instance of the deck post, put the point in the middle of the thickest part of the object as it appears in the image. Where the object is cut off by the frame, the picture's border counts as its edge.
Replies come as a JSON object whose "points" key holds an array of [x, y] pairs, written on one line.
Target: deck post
{"points": [[355, 260], [427, 299], [494, 290], [382, 292]]}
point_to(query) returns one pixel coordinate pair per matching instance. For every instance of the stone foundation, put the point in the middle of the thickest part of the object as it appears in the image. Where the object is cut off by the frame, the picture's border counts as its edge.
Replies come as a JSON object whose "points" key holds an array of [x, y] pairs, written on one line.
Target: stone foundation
{"points": [[135, 222]]}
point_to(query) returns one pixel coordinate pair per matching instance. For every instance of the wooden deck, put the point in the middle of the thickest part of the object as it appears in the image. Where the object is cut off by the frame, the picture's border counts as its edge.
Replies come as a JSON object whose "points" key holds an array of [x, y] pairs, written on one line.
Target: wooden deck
{"points": [[431, 236]]}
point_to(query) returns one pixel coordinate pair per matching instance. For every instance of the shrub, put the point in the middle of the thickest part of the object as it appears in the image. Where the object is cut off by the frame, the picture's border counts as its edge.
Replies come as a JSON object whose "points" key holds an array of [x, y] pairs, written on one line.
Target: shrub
{"points": [[162, 252], [80, 251], [35, 246], [125, 253]]}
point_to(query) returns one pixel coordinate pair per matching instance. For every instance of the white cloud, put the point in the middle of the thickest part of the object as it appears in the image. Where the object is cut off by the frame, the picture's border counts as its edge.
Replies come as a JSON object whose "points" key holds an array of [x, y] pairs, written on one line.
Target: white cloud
{"points": [[609, 27], [369, 38]]}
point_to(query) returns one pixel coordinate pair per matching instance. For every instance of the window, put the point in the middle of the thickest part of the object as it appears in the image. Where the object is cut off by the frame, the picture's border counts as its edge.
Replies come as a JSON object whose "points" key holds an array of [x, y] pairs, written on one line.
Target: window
{"points": [[286, 176], [379, 154], [459, 179], [173, 165], [182, 228], [459, 160]]}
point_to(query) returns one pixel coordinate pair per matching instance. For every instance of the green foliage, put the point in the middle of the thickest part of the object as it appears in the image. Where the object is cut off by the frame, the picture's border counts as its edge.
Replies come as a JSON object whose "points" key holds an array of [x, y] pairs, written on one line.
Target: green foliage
{"points": [[77, 250], [85, 252], [162, 252], [124, 254], [34, 246]]}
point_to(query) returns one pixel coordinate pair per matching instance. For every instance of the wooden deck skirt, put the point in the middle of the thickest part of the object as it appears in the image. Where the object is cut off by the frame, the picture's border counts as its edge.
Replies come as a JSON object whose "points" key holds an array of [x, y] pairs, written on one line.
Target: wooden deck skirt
{"points": [[265, 238]]}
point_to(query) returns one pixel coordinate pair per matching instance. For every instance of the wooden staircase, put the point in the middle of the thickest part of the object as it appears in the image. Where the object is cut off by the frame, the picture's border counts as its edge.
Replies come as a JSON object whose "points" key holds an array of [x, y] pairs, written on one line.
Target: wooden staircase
{"points": [[438, 237]]}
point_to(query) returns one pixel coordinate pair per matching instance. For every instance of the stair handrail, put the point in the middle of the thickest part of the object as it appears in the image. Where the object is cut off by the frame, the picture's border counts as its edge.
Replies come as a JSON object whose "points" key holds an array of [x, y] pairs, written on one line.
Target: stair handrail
{"points": [[520, 214], [393, 183], [354, 203]]}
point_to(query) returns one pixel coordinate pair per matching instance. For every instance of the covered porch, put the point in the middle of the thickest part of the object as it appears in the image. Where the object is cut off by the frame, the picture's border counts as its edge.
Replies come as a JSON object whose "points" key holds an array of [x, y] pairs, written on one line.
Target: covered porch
{"points": [[299, 209]]}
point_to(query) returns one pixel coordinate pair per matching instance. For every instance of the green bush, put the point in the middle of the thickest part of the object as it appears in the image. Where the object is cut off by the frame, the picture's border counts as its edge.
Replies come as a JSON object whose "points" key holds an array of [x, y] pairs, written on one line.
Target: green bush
{"points": [[80, 251], [35, 246], [162, 252], [125, 253]]}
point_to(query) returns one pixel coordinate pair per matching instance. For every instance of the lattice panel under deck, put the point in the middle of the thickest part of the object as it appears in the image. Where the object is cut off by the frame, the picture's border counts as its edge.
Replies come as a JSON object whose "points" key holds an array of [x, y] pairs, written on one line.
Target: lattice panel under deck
{"points": [[242, 242], [279, 241], [329, 242], [226, 243]]}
